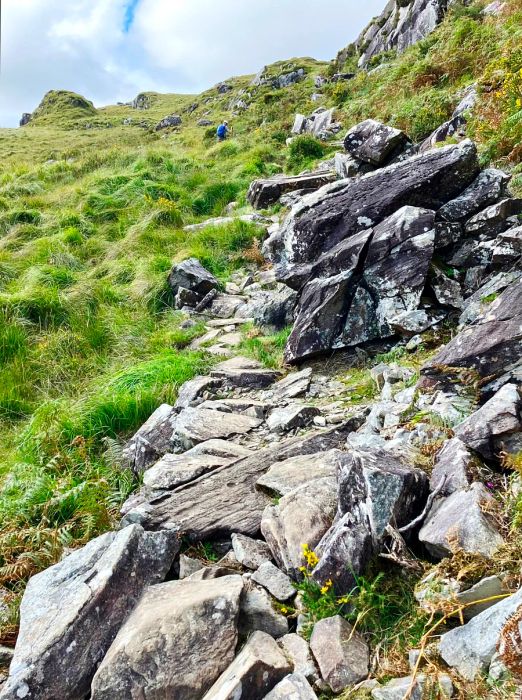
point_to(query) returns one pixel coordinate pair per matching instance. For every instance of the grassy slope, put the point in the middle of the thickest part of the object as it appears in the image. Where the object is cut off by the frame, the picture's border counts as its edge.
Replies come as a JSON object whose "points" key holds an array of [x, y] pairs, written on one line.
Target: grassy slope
{"points": [[90, 223]]}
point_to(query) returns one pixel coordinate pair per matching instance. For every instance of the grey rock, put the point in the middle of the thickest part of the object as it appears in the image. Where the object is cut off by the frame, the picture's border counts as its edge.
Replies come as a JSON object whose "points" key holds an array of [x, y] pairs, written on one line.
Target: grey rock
{"points": [[494, 219], [249, 552], [245, 406], [301, 517], [180, 637], [298, 651], [489, 186], [468, 100], [247, 378], [152, 440], [259, 614], [26, 118], [459, 520], [293, 385], [223, 88], [373, 142], [236, 505], [264, 193], [191, 392], [470, 648], [293, 687], [271, 308], [188, 566], [237, 362], [6, 656], [275, 581], [195, 425], [491, 345], [190, 274], [341, 653], [258, 667], [71, 612], [209, 573], [204, 122], [342, 209], [283, 477], [347, 166], [186, 298], [420, 687], [508, 246], [447, 291], [376, 490], [174, 470], [453, 128], [286, 79], [347, 309], [485, 429], [225, 305], [167, 122], [219, 448], [291, 417], [454, 464]]}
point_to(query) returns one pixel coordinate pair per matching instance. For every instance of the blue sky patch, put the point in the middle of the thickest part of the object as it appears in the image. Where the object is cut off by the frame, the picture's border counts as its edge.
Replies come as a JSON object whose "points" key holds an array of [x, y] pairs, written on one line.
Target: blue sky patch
{"points": [[130, 12]]}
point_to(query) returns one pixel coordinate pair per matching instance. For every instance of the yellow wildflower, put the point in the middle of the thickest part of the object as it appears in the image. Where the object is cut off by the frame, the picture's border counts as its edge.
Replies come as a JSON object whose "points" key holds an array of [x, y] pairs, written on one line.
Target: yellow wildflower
{"points": [[326, 587]]}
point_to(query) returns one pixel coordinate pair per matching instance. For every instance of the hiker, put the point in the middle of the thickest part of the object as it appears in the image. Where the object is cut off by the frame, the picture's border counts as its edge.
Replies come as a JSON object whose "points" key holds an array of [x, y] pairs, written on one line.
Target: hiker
{"points": [[222, 131]]}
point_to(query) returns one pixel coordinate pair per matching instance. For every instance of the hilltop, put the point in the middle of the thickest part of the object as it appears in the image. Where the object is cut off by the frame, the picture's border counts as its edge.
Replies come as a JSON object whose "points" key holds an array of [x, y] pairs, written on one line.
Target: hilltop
{"points": [[100, 327]]}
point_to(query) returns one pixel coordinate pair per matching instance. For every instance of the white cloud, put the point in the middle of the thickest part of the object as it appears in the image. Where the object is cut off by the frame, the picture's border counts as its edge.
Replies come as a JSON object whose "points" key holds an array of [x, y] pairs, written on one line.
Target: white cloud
{"points": [[173, 45]]}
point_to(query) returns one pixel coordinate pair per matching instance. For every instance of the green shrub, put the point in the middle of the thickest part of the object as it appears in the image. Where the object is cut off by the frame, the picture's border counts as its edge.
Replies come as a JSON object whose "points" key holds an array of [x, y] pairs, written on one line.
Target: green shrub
{"points": [[304, 149]]}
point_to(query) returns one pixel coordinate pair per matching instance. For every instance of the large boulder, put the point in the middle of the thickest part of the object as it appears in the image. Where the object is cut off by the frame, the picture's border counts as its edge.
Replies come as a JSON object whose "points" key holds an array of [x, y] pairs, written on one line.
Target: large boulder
{"points": [[151, 441], [190, 274], [470, 648], [258, 667], [195, 425], [485, 430], [167, 122], [373, 142], [336, 212], [301, 517], [378, 276], [264, 193], [489, 186], [293, 687], [180, 637], [71, 612], [461, 521], [491, 345], [376, 490]]}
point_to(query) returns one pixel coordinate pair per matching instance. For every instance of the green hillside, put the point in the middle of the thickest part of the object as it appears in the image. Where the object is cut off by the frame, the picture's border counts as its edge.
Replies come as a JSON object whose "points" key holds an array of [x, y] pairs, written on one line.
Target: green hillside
{"points": [[92, 208]]}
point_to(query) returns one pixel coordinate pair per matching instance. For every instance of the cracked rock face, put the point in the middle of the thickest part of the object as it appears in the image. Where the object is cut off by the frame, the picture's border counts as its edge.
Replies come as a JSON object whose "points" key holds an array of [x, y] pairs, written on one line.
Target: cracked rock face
{"points": [[181, 636], [72, 611]]}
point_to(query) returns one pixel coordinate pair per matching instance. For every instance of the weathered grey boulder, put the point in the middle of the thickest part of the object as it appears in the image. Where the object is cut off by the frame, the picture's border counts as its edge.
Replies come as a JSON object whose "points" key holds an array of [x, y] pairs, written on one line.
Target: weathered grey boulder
{"points": [[420, 687], [381, 274], [347, 166], [189, 566], [344, 208], [485, 429], [152, 440], [264, 193], [494, 219], [341, 653], [459, 521], [454, 467], [236, 505], [275, 581], [491, 345], [470, 648], [191, 392], [293, 385], [219, 448], [271, 308], [249, 552], [190, 274], [246, 378], [447, 291], [301, 517], [26, 118], [489, 186], [298, 651], [453, 128], [373, 142], [376, 490], [286, 79], [283, 477], [259, 614], [258, 667], [291, 417], [180, 637], [195, 425], [293, 687], [71, 612], [508, 246], [174, 470], [167, 122]]}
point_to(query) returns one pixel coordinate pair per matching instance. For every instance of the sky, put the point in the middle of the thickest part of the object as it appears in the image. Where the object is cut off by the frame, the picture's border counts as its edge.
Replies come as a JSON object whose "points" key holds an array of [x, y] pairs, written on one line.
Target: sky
{"points": [[110, 50]]}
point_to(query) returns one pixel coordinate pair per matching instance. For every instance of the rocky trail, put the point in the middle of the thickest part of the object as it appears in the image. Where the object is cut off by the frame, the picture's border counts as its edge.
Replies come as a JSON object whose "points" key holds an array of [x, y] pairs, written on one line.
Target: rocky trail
{"points": [[259, 483]]}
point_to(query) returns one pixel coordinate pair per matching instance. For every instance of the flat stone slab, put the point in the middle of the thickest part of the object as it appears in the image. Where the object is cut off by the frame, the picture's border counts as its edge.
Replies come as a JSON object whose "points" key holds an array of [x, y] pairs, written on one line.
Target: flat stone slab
{"points": [[247, 378], [285, 476], [195, 425], [174, 470], [275, 581]]}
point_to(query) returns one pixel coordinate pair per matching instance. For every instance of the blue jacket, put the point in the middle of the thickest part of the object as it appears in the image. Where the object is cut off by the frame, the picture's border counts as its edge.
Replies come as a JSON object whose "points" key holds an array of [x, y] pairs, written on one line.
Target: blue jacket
{"points": [[222, 131]]}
